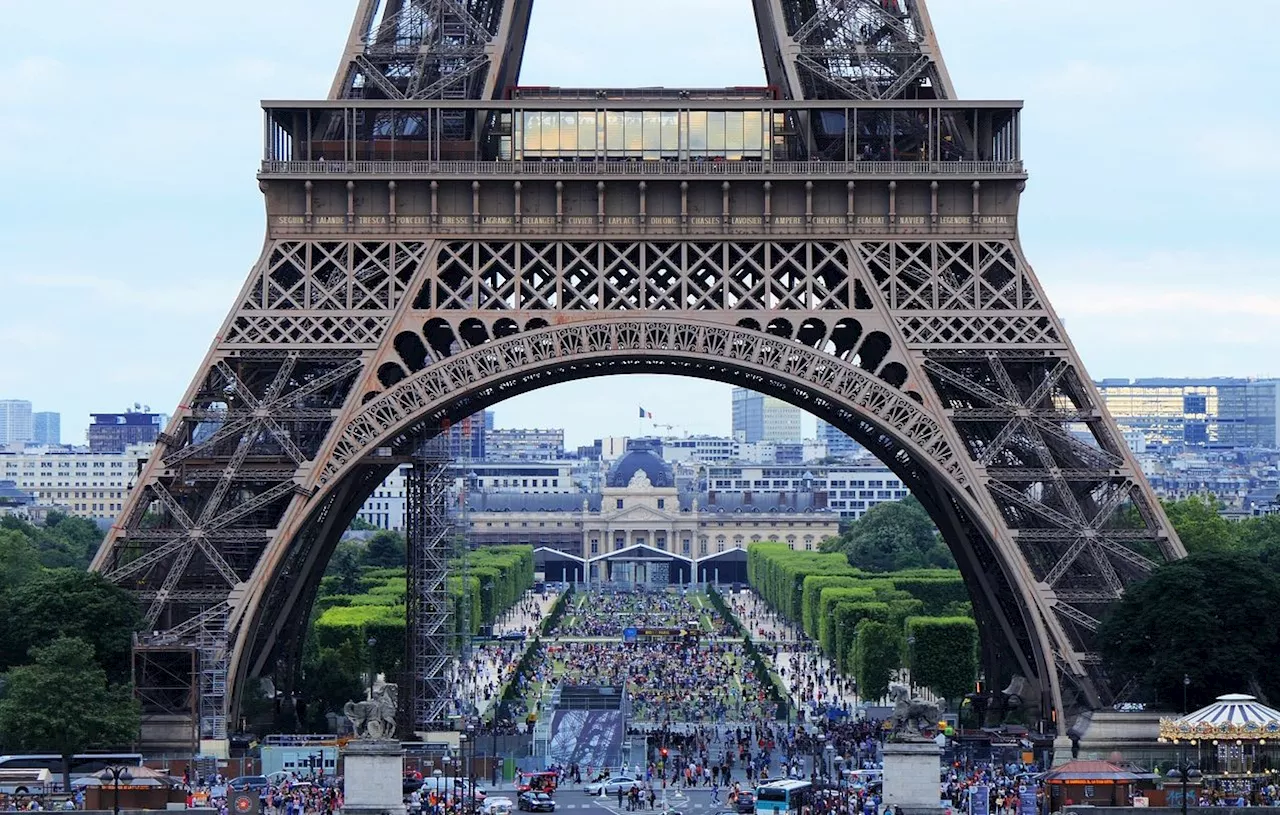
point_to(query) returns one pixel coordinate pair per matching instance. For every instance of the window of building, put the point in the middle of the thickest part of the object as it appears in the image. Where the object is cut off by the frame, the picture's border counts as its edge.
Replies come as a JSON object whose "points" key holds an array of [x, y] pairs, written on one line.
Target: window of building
{"points": [[619, 503], [662, 503]]}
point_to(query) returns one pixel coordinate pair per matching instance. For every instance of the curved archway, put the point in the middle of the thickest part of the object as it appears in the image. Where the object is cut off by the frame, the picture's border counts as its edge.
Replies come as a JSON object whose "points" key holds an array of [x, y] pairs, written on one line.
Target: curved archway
{"points": [[888, 421]]}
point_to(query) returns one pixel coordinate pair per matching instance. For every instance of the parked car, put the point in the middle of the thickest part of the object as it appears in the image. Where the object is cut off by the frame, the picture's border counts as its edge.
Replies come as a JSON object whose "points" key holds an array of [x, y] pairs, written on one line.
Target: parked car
{"points": [[610, 786], [532, 801], [249, 782]]}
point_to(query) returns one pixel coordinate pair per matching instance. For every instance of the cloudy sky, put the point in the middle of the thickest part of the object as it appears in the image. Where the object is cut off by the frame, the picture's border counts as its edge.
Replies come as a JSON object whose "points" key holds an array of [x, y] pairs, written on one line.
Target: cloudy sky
{"points": [[129, 133]]}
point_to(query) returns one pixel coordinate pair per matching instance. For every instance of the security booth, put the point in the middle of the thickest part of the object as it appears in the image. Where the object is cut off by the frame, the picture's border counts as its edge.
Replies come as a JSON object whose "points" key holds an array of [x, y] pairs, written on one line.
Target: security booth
{"points": [[1090, 783]]}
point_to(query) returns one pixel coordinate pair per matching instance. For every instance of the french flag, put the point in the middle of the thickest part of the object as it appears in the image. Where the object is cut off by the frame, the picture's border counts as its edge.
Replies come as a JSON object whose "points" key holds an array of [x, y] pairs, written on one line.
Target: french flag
{"points": [[644, 414]]}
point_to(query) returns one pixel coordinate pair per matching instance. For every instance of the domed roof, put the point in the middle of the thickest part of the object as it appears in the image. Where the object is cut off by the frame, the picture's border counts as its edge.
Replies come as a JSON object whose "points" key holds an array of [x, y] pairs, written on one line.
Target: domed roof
{"points": [[624, 469]]}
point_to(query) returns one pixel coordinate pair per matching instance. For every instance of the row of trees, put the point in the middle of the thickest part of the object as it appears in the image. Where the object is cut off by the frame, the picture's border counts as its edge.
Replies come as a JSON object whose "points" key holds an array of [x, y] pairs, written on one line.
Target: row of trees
{"points": [[870, 624], [362, 600], [65, 645]]}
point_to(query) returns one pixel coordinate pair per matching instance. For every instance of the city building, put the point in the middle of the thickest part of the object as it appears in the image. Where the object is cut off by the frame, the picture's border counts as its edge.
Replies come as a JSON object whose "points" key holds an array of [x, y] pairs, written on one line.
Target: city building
{"points": [[15, 421], [385, 508], [1215, 412], [781, 452], [46, 428], [839, 445], [757, 417], [79, 482], [641, 528], [113, 432], [849, 490], [12, 499], [1247, 414], [700, 449], [526, 444], [469, 438]]}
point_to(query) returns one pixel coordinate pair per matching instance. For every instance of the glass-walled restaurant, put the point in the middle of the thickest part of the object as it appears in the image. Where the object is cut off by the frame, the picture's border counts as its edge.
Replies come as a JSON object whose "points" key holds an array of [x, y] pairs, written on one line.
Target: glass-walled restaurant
{"points": [[930, 131]]}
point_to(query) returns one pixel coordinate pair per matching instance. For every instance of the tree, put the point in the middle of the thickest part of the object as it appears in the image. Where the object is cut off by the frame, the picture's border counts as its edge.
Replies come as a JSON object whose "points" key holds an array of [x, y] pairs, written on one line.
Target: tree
{"points": [[892, 536], [345, 565], [62, 703], [944, 654], [19, 560], [876, 654], [63, 602], [361, 525], [386, 550], [1212, 617], [1199, 525]]}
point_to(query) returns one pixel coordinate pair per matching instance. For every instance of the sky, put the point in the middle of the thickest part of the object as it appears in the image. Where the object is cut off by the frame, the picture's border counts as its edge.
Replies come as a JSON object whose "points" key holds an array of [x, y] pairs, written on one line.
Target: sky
{"points": [[130, 132]]}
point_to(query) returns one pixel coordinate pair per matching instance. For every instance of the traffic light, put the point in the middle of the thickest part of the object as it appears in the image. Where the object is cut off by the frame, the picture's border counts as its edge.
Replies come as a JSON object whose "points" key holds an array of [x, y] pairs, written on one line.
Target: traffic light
{"points": [[664, 752]]}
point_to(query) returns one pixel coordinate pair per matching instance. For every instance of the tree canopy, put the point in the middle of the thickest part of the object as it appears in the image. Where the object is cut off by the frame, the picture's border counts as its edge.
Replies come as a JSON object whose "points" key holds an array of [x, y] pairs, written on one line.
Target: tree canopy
{"points": [[386, 550], [63, 602], [1213, 617], [62, 703], [893, 536]]}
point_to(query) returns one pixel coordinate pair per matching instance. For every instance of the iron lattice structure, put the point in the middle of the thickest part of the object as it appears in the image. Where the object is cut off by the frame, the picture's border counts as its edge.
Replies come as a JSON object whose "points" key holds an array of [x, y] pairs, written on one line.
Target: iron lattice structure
{"points": [[429, 610], [850, 246]]}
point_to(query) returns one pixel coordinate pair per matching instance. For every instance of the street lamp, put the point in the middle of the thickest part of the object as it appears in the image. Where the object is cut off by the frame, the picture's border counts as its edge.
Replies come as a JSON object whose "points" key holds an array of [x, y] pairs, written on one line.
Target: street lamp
{"points": [[817, 748], [462, 762], [1186, 682], [372, 641], [114, 775], [471, 767], [1184, 772]]}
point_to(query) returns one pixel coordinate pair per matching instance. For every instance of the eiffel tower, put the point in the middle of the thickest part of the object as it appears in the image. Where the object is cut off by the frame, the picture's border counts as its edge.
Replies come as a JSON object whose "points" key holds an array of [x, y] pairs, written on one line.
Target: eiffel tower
{"points": [[440, 239]]}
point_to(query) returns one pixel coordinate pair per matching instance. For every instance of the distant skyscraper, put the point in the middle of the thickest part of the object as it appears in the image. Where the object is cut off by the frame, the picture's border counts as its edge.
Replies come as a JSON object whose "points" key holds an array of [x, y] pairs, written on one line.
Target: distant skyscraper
{"points": [[757, 417], [1218, 412], [838, 444], [46, 427], [15, 421], [113, 432]]}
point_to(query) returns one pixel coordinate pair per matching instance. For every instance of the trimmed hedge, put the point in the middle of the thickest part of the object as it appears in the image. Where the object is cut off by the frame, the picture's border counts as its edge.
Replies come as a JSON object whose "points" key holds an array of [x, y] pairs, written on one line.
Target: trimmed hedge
{"points": [[944, 654], [937, 593], [876, 654], [777, 572], [848, 616], [826, 617], [812, 587]]}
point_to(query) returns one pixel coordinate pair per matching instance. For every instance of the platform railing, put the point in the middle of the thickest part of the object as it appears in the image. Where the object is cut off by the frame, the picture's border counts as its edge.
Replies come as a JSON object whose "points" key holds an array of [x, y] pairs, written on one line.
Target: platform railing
{"points": [[643, 168]]}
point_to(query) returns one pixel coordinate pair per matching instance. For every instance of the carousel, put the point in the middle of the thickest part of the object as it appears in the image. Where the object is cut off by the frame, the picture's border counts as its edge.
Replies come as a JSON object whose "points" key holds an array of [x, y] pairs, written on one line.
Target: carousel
{"points": [[1235, 737]]}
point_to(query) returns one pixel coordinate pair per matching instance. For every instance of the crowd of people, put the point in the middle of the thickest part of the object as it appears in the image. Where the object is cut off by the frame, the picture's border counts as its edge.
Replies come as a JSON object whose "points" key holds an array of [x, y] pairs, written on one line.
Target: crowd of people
{"points": [[608, 614]]}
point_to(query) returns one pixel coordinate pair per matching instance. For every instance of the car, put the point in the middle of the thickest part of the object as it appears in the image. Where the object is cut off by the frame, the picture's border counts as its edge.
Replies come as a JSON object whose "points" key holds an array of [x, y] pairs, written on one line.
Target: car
{"points": [[249, 782], [610, 786], [532, 801], [746, 803], [497, 805], [512, 636]]}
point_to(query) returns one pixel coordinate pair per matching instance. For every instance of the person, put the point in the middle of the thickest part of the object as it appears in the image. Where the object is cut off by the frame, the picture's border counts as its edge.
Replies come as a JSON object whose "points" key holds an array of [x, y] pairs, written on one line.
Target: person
{"points": [[715, 792]]}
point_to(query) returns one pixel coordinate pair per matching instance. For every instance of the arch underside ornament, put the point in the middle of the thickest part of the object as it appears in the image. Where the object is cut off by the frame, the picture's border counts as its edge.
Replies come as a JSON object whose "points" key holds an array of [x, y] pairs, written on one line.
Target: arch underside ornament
{"points": [[940, 356]]}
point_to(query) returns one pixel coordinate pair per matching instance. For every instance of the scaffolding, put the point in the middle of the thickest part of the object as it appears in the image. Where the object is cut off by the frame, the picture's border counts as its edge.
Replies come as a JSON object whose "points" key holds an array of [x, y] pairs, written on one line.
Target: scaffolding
{"points": [[428, 494]]}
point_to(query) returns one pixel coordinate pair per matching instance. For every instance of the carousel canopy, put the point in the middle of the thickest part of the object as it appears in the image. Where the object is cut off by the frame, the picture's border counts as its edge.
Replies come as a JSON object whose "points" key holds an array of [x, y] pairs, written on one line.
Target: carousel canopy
{"points": [[1232, 716]]}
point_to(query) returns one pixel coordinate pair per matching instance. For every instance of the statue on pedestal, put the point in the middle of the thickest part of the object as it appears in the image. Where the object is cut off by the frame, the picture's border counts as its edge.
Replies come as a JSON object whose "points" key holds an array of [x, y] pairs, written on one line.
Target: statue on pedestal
{"points": [[910, 716], [375, 719]]}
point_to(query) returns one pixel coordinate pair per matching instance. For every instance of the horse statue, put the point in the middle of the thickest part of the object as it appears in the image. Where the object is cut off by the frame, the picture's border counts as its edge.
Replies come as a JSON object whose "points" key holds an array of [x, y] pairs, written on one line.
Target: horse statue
{"points": [[374, 719], [910, 716]]}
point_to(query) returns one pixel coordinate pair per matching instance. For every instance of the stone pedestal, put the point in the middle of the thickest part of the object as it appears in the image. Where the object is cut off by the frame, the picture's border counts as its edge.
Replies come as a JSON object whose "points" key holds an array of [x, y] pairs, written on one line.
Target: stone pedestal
{"points": [[912, 770], [373, 778]]}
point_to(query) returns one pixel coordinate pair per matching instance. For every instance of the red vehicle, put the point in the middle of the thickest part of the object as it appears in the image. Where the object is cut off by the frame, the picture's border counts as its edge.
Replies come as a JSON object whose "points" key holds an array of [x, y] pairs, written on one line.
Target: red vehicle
{"points": [[537, 782]]}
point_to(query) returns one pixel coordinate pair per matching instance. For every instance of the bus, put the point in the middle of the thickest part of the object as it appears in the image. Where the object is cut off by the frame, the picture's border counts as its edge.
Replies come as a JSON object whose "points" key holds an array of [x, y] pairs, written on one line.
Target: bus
{"points": [[777, 797], [81, 765]]}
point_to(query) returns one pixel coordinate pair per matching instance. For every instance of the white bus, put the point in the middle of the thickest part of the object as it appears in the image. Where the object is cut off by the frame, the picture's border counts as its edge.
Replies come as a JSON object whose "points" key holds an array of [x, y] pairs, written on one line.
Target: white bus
{"points": [[81, 765]]}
